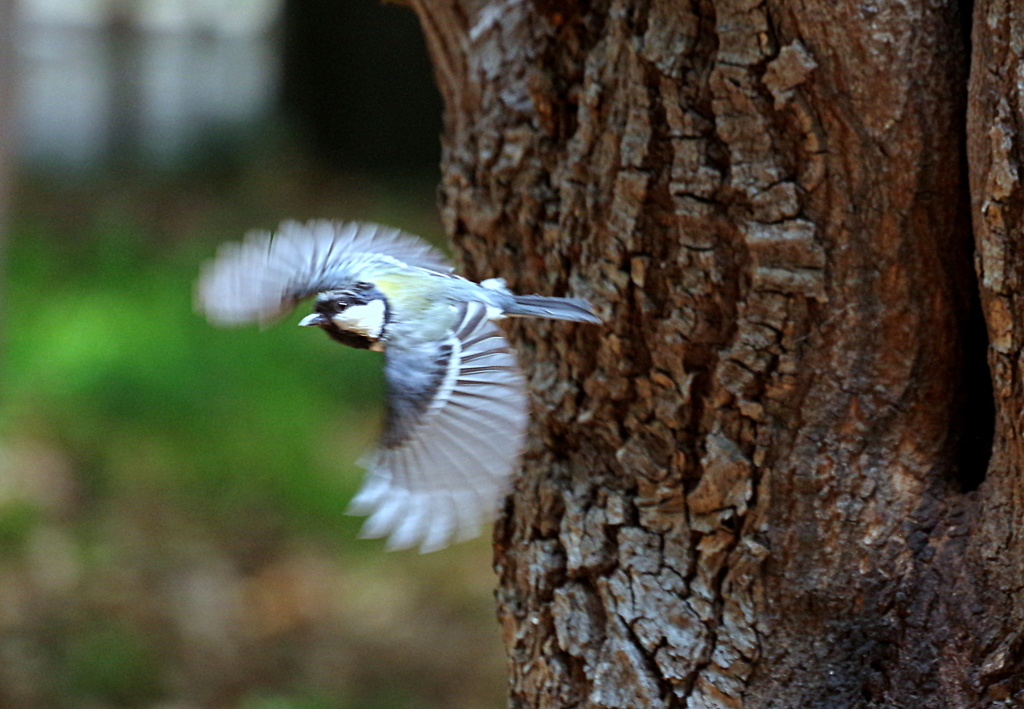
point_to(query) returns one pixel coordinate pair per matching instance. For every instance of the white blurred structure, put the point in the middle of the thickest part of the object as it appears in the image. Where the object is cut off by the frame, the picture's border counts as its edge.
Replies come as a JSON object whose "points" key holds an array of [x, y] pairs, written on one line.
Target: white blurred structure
{"points": [[231, 18], [156, 76]]}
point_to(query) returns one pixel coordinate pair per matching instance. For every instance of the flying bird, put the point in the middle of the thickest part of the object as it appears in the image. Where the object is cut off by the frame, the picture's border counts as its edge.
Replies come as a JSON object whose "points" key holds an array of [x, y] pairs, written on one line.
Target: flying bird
{"points": [[457, 406]]}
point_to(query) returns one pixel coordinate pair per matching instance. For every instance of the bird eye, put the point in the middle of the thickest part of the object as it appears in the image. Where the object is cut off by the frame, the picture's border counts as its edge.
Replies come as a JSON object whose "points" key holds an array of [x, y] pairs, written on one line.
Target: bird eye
{"points": [[362, 287]]}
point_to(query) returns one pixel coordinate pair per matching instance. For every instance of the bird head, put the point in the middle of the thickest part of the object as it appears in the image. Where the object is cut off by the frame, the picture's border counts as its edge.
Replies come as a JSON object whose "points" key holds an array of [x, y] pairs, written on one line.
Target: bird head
{"points": [[355, 316]]}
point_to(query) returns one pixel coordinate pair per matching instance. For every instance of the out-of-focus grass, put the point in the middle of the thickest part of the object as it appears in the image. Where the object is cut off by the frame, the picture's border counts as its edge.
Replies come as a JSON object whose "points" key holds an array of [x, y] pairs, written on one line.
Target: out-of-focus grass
{"points": [[172, 495], [102, 350]]}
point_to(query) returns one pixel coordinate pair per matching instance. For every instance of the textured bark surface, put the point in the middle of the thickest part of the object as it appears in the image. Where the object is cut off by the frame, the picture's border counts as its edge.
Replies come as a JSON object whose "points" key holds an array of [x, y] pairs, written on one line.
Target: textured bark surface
{"points": [[763, 482], [995, 122]]}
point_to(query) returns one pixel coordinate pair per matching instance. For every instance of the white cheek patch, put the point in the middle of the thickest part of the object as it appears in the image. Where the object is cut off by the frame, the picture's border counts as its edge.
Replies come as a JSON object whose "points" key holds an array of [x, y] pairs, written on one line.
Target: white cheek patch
{"points": [[366, 320]]}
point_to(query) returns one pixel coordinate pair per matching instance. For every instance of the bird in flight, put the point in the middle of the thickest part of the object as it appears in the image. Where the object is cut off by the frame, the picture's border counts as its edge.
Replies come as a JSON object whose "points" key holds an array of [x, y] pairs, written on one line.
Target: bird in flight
{"points": [[457, 406]]}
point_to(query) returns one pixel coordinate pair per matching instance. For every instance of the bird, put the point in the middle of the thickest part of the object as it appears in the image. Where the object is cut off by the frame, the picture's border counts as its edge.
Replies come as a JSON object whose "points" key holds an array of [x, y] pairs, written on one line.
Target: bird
{"points": [[457, 405]]}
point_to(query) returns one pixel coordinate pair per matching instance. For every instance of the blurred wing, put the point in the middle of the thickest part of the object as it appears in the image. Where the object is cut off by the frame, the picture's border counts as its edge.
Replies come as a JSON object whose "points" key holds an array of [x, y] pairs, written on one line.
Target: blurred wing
{"points": [[262, 278], [456, 422]]}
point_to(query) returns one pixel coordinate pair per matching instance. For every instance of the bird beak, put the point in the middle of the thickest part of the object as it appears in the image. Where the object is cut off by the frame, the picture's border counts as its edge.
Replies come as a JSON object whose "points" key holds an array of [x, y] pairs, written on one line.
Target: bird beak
{"points": [[312, 319]]}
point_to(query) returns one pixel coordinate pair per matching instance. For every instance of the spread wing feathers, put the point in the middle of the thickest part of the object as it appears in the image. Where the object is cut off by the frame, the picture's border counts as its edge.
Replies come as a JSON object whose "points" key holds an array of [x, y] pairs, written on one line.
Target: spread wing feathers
{"points": [[263, 277], [451, 440]]}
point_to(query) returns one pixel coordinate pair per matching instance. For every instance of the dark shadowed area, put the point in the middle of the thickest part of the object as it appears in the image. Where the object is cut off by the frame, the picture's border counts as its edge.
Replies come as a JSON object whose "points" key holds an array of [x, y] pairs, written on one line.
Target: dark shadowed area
{"points": [[172, 496]]}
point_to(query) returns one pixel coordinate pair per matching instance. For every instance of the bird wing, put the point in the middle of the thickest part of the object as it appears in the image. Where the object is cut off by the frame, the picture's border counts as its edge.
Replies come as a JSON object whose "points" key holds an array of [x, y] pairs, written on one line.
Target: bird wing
{"points": [[455, 425], [266, 275]]}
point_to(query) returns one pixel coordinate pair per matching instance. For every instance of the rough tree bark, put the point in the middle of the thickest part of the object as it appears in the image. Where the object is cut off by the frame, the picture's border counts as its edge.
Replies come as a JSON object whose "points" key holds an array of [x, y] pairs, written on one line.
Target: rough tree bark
{"points": [[766, 481], [994, 129]]}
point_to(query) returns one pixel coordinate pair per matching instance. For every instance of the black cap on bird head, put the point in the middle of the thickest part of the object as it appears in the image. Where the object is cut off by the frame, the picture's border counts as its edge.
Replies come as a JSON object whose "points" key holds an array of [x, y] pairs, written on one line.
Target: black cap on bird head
{"points": [[356, 316]]}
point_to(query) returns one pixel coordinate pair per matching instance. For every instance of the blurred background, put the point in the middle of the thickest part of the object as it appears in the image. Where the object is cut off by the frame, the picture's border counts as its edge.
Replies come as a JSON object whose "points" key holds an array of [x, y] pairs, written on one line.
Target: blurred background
{"points": [[172, 496]]}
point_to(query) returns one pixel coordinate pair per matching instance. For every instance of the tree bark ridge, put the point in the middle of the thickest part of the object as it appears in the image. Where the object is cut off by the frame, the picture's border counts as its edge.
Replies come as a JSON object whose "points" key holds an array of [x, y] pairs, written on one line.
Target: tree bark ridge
{"points": [[997, 204]]}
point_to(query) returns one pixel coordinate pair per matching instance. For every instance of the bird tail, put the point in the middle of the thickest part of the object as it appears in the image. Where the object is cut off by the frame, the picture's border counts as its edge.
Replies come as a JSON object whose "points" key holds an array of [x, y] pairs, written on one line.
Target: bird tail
{"points": [[540, 306]]}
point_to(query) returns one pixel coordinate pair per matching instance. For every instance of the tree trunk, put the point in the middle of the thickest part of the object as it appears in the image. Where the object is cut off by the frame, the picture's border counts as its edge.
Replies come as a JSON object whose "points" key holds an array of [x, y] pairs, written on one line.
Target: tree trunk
{"points": [[765, 481]]}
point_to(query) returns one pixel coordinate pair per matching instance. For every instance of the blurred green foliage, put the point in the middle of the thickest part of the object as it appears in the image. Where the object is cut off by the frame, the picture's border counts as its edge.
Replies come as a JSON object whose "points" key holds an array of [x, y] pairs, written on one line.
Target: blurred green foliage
{"points": [[113, 662], [197, 456], [103, 351], [17, 520], [276, 702]]}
